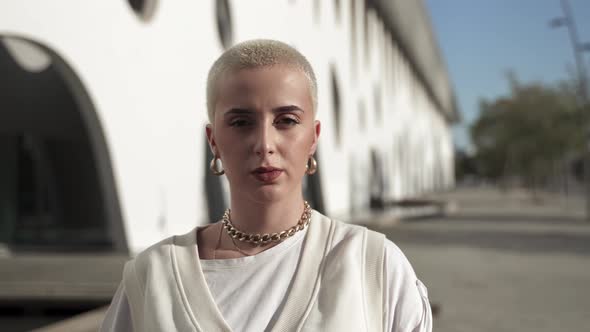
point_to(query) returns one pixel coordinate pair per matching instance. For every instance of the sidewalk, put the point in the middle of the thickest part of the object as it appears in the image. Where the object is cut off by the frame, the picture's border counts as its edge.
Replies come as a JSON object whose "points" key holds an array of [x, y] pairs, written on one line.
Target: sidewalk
{"points": [[500, 262], [489, 201]]}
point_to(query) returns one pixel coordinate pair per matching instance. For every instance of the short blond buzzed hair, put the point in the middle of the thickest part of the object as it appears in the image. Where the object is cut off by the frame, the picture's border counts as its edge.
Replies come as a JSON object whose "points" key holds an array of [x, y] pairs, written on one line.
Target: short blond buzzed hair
{"points": [[257, 53]]}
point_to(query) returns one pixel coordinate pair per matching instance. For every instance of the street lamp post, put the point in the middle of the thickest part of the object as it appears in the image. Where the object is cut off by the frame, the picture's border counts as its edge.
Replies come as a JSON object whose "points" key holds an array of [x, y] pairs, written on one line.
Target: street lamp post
{"points": [[579, 48]]}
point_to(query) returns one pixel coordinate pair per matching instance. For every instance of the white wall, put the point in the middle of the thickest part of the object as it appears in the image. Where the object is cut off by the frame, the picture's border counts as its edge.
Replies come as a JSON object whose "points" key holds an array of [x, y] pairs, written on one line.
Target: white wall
{"points": [[147, 83]]}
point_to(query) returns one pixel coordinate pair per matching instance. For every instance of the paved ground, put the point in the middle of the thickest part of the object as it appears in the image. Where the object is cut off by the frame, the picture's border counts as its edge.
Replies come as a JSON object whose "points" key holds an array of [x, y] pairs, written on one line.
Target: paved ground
{"points": [[503, 263], [499, 262]]}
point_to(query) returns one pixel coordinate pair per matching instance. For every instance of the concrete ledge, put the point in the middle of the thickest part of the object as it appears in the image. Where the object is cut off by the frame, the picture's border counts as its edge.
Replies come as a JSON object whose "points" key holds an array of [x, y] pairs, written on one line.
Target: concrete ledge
{"points": [[60, 277], [393, 212]]}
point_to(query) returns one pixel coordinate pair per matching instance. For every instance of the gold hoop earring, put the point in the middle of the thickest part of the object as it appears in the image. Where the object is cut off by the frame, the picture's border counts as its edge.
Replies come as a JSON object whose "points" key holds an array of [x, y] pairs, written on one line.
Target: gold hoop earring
{"points": [[311, 166], [213, 166]]}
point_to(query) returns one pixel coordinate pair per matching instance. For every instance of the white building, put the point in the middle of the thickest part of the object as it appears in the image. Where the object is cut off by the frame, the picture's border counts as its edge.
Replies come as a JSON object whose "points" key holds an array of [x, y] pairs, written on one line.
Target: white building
{"points": [[102, 112]]}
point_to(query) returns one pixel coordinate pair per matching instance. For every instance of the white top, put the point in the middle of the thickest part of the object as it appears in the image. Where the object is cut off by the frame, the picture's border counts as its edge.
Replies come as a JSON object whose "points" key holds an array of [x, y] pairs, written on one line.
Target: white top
{"points": [[249, 291]]}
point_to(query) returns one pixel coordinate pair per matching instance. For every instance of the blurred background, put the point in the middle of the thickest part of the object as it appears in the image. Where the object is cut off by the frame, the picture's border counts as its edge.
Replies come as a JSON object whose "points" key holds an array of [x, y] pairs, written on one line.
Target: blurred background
{"points": [[460, 129]]}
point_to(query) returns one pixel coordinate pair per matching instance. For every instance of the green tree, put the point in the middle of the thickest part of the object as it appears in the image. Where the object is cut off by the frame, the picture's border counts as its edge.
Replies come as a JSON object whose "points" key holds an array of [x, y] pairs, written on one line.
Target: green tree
{"points": [[526, 133]]}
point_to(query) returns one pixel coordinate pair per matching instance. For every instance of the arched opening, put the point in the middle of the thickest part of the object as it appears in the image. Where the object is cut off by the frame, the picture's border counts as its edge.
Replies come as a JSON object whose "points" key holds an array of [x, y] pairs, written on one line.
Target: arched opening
{"points": [[144, 9], [336, 102], [362, 116], [377, 182], [378, 104], [366, 31], [224, 23], [353, 39], [58, 191], [338, 10]]}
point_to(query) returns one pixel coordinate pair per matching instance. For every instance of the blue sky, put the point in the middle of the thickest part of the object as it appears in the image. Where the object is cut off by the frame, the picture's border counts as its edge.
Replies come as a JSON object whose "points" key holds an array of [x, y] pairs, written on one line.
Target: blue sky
{"points": [[482, 39]]}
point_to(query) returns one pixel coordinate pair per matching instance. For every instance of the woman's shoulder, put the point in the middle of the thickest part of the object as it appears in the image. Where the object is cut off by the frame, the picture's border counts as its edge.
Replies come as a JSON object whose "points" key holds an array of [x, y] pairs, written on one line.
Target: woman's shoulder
{"points": [[406, 296], [159, 253], [394, 258], [348, 232]]}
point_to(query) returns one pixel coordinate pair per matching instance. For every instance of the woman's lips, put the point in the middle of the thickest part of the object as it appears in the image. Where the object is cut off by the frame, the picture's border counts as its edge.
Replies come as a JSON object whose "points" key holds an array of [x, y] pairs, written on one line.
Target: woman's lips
{"points": [[267, 174]]}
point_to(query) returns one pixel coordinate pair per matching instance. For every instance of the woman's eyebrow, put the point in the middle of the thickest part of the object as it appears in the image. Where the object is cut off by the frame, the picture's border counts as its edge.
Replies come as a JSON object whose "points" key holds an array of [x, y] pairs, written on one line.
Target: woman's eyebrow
{"points": [[233, 111], [289, 108], [280, 109]]}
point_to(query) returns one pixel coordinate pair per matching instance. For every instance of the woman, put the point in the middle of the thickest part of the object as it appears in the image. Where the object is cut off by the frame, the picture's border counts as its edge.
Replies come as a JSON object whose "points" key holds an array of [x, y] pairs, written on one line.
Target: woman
{"points": [[272, 263]]}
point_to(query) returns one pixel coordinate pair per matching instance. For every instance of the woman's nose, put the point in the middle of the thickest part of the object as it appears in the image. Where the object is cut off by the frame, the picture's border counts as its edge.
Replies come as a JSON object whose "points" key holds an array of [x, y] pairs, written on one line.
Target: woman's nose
{"points": [[264, 140]]}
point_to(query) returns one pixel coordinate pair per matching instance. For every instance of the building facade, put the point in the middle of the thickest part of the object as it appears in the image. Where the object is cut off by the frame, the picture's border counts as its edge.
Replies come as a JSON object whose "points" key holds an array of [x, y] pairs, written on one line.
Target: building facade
{"points": [[102, 112]]}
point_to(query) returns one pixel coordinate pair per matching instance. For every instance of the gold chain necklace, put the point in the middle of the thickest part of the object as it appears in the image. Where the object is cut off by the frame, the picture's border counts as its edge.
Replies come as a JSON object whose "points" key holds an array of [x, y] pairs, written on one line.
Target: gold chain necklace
{"points": [[238, 248], [232, 240], [263, 239]]}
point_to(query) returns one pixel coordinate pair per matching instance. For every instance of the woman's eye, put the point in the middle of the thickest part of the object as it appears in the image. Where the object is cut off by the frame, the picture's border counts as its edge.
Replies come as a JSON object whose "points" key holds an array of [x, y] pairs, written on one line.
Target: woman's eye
{"points": [[238, 122], [287, 121]]}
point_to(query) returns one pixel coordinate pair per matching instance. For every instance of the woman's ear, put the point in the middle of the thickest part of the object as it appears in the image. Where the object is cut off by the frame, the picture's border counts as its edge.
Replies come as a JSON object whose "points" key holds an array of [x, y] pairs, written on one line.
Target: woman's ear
{"points": [[317, 128], [211, 139]]}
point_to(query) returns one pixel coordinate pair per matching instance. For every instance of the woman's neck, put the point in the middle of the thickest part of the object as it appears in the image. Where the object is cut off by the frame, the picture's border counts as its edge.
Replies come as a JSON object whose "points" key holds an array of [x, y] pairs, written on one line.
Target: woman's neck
{"points": [[268, 217]]}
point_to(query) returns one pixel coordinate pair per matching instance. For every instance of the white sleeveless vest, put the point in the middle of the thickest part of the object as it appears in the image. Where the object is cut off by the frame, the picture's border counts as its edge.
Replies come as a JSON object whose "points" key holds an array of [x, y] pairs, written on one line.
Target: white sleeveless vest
{"points": [[336, 287]]}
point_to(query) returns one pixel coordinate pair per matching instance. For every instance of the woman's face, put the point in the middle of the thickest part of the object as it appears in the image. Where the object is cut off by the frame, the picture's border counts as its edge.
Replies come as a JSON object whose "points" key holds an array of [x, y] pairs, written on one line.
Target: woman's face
{"points": [[264, 131]]}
